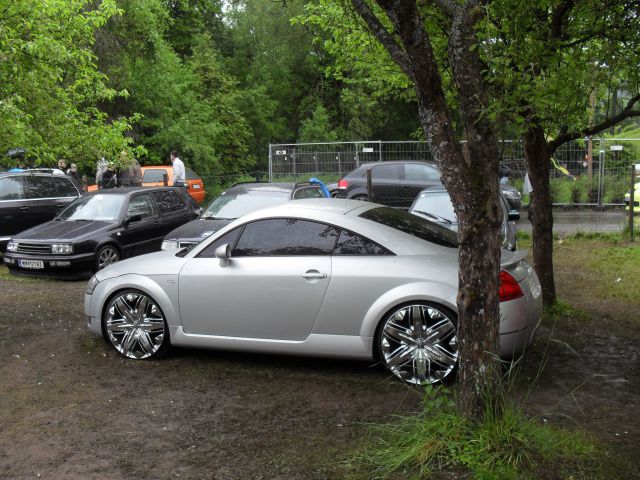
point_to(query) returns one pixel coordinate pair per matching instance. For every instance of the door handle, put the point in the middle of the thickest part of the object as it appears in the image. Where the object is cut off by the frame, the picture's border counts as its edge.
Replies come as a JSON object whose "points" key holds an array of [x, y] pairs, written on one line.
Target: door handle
{"points": [[313, 275], [24, 208]]}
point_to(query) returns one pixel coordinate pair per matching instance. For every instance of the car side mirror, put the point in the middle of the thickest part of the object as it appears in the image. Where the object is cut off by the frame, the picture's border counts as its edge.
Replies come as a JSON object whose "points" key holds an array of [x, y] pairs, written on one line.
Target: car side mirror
{"points": [[223, 253], [514, 216], [133, 218]]}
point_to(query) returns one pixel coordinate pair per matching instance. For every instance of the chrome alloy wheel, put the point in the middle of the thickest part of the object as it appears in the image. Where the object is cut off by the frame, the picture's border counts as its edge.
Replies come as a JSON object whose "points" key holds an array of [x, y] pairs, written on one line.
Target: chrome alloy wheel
{"points": [[135, 325], [107, 256], [419, 343]]}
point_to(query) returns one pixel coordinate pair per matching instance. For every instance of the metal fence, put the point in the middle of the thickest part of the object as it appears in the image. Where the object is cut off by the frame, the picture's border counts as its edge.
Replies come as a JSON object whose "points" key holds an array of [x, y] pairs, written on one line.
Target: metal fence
{"points": [[585, 172]]}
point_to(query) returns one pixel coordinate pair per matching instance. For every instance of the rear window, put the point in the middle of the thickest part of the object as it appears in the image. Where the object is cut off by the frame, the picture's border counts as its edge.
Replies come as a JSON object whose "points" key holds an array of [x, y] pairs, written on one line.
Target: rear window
{"points": [[155, 175], [413, 225], [190, 174]]}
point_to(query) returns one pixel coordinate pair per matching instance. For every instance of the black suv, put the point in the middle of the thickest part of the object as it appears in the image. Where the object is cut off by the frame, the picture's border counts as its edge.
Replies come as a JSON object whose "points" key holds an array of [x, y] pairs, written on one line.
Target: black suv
{"points": [[395, 183], [238, 200], [30, 198]]}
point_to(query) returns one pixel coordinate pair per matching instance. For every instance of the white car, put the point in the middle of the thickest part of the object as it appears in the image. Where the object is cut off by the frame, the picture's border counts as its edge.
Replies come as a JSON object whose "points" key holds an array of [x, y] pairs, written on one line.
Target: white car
{"points": [[322, 277]]}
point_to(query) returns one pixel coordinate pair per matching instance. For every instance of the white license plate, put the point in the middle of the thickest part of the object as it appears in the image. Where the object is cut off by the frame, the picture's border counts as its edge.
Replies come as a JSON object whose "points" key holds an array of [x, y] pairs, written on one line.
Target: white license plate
{"points": [[31, 263]]}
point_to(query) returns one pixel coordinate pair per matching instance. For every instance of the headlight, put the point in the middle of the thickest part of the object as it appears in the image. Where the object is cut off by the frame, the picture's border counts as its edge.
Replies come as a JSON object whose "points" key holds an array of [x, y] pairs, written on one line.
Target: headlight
{"points": [[91, 286], [62, 248], [169, 245], [12, 246]]}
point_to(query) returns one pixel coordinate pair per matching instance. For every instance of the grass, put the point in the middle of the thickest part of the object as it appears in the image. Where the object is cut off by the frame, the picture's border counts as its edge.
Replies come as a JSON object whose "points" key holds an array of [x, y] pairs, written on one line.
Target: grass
{"points": [[438, 443]]}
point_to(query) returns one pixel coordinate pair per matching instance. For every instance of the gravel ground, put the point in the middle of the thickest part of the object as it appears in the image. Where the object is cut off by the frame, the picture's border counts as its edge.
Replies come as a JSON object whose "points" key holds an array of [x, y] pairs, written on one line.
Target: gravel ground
{"points": [[71, 408]]}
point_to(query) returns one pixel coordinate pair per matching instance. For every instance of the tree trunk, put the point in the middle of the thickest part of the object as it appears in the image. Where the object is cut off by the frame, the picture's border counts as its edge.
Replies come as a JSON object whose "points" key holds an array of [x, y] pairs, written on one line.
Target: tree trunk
{"points": [[538, 154]]}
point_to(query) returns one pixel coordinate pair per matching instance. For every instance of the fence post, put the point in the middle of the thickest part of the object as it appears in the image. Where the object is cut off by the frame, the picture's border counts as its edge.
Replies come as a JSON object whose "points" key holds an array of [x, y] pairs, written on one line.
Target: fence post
{"points": [[631, 200], [601, 179], [270, 163], [380, 150]]}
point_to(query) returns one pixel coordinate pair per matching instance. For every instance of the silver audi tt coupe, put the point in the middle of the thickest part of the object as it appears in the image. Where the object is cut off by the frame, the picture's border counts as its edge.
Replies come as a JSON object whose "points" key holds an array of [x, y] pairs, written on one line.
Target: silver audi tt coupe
{"points": [[322, 277]]}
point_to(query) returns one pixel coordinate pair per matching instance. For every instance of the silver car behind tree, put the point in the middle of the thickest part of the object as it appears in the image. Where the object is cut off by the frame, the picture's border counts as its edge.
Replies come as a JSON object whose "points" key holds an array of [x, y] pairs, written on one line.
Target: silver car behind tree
{"points": [[322, 277]]}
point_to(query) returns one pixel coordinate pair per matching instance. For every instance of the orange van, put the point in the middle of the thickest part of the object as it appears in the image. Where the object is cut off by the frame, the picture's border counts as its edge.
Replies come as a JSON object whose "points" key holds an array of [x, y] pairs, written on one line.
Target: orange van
{"points": [[153, 176]]}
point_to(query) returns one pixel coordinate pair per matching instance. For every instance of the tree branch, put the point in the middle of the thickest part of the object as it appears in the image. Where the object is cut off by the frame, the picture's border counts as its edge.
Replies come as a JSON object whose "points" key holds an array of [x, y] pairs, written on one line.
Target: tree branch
{"points": [[627, 112], [449, 7], [383, 36]]}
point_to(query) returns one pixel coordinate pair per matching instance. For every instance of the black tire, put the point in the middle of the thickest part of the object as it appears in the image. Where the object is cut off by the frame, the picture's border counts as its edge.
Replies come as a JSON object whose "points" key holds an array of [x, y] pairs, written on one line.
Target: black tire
{"points": [[107, 254], [135, 326], [418, 343]]}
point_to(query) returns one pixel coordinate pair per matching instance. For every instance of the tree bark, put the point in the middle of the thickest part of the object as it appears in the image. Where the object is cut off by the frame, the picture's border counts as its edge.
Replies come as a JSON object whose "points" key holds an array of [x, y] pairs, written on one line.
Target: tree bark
{"points": [[538, 154], [472, 182]]}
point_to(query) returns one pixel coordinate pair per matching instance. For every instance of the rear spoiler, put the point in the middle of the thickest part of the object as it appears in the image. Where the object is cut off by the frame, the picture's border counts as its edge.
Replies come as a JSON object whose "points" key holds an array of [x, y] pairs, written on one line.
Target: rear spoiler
{"points": [[508, 258]]}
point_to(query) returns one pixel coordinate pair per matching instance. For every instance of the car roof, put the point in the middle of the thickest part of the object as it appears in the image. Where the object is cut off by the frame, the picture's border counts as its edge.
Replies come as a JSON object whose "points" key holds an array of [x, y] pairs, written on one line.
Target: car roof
{"points": [[392, 162], [345, 213], [129, 190], [268, 186]]}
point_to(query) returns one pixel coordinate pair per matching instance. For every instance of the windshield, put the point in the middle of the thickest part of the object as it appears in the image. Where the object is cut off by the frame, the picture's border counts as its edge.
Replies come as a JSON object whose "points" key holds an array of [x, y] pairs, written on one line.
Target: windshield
{"points": [[413, 225], [101, 208], [232, 205], [436, 203]]}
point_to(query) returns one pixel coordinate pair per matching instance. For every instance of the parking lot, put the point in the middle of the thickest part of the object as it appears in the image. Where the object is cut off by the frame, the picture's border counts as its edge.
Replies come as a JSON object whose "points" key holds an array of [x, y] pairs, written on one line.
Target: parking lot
{"points": [[72, 408]]}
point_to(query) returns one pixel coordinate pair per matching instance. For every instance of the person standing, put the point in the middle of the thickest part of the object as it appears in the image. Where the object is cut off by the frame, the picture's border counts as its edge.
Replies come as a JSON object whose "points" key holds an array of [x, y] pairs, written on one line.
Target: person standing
{"points": [[178, 170], [73, 171]]}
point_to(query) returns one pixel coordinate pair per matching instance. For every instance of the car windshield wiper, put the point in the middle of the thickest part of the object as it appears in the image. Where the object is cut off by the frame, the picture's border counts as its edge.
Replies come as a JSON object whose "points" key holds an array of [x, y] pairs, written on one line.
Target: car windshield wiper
{"points": [[435, 217]]}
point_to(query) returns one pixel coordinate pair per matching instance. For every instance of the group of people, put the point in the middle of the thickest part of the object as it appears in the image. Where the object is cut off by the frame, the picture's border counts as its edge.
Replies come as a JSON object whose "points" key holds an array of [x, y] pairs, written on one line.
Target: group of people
{"points": [[128, 174]]}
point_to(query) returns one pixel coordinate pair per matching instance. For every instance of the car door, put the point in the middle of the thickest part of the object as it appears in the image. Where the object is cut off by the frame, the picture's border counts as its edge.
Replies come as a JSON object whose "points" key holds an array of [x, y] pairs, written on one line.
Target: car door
{"points": [[13, 204], [417, 177], [386, 184], [141, 231], [66, 191], [173, 210], [272, 288], [43, 199]]}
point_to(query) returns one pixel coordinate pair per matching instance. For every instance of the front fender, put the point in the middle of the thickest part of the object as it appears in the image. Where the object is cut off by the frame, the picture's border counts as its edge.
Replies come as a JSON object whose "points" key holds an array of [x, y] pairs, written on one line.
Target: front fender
{"points": [[162, 288], [439, 293]]}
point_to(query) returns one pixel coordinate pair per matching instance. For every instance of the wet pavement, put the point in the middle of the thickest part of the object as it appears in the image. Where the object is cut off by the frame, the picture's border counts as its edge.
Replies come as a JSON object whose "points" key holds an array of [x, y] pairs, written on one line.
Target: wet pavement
{"points": [[580, 220]]}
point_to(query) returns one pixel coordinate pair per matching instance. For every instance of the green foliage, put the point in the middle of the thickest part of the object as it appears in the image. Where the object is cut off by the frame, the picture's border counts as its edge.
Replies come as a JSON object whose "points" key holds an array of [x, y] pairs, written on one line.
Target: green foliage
{"points": [[50, 87], [506, 445]]}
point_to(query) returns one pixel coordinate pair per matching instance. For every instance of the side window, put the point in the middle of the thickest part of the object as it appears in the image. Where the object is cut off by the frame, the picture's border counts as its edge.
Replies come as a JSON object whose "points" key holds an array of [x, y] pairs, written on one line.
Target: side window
{"points": [[64, 187], [40, 187], [388, 171], [286, 237], [351, 243], [140, 205], [155, 175], [229, 237], [11, 188], [421, 173], [190, 174], [308, 192], [168, 201]]}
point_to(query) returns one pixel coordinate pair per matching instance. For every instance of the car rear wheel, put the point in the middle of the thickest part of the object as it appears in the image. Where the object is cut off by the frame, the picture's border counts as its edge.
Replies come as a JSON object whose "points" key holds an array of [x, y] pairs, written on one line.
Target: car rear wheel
{"points": [[135, 326], [418, 343], [106, 256]]}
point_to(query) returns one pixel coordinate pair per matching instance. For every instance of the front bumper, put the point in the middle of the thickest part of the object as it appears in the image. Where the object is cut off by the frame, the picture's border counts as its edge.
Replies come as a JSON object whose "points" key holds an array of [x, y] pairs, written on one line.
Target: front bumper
{"points": [[52, 265]]}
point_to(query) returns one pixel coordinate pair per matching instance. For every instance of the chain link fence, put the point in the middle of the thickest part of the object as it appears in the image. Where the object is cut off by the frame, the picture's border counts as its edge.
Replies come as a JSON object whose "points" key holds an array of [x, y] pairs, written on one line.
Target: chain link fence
{"points": [[585, 172]]}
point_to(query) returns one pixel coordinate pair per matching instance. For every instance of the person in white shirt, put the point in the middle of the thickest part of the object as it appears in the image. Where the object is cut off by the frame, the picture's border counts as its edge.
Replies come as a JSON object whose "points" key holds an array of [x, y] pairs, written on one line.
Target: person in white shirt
{"points": [[178, 170]]}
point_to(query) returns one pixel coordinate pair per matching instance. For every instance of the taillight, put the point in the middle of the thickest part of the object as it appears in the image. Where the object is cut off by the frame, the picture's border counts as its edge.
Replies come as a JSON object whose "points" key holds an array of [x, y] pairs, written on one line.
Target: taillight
{"points": [[342, 183], [509, 287]]}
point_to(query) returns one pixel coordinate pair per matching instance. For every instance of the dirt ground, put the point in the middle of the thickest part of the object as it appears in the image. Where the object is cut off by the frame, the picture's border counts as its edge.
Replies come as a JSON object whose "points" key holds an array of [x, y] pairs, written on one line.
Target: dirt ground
{"points": [[71, 408]]}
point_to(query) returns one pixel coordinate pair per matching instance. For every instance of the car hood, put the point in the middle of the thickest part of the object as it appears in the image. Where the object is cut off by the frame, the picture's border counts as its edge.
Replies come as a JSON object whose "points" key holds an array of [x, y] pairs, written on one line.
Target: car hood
{"points": [[62, 230], [197, 229], [151, 264]]}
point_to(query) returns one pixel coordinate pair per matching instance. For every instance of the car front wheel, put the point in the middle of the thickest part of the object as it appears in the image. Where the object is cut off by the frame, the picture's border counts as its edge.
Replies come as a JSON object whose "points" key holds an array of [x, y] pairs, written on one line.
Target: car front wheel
{"points": [[418, 343], [135, 326], [106, 256]]}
